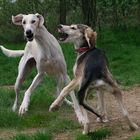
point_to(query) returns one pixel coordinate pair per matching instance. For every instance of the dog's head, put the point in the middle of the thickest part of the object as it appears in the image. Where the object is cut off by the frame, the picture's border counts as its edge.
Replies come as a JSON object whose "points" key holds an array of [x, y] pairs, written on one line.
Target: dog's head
{"points": [[77, 32], [30, 23]]}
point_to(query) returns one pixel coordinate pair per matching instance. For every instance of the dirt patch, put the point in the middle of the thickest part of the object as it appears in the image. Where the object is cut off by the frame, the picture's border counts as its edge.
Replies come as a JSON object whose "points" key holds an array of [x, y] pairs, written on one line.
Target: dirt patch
{"points": [[5, 134], [117, 124], [120, 129]]}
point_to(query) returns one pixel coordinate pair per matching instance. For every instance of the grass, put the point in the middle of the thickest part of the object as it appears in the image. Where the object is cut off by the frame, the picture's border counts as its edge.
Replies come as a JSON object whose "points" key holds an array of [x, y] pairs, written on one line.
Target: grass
{"points": [[36, 136], [122, 50], [99, 134], [136, 137]]}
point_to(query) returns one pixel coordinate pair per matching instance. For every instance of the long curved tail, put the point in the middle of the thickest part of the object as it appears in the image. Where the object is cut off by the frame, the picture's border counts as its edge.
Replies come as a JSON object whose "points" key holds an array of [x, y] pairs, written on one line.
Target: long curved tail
{"points": [[12, 53]]}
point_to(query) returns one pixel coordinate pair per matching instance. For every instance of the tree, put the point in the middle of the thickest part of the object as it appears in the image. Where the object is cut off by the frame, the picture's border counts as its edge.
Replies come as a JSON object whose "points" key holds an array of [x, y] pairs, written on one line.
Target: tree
{"points": [[115, 13], [138, 1], [89, 12], [62, 4]]}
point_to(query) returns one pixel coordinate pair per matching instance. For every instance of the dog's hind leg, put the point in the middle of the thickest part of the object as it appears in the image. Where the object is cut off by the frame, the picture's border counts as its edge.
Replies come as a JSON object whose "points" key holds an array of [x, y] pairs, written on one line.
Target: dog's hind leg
{"points": [[101, 106], [23, 68], [118, 94], [82, 94]]}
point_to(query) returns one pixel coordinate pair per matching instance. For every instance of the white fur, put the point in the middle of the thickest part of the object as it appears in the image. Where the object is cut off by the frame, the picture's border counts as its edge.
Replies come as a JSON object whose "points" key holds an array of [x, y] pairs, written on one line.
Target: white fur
{"points": [[47, 53], [12, 53]]}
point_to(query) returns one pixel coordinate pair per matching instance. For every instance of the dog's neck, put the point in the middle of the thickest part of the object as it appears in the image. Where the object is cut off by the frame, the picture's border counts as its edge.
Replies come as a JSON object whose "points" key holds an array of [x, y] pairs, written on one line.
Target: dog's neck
{"points": [[78, 43], [47, 42], [81, 46], [42, 36]]}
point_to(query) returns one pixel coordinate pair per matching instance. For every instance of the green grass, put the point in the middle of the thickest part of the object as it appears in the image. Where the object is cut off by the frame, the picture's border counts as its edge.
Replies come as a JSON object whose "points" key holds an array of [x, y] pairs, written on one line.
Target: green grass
{"points": [[123, 52], [36, 136], [99, 134], [136, 137]]}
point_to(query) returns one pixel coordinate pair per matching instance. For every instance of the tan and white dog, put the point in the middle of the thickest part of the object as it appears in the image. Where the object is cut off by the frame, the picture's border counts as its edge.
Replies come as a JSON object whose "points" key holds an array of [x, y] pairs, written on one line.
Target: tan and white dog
{"points": [[91, 72]]}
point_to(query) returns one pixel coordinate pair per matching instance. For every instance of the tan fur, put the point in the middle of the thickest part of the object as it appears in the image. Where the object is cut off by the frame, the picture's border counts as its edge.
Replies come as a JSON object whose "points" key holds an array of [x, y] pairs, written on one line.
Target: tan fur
{"points": [[105, 83], [90, 36]]}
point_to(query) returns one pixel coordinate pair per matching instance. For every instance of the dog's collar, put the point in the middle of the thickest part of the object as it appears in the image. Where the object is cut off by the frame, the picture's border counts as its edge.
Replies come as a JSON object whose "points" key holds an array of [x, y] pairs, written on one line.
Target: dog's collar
{"points": [[83, 49]]}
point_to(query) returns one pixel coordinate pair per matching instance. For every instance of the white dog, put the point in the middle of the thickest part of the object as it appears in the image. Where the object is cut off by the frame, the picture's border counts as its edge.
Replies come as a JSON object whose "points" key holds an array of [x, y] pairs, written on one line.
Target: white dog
{"points": [[44, 51]]}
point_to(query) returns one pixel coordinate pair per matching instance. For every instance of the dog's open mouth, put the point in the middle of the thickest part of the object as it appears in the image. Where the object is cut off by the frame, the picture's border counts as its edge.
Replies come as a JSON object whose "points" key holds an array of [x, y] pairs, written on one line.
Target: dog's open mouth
{"points": [[62, 35], [30, 37]]}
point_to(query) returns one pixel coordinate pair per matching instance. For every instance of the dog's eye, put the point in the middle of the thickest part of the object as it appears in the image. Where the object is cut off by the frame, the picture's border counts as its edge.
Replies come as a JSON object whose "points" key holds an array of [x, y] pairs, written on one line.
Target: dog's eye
{"points": [[33, 21], [24, 22], [73, 28]]}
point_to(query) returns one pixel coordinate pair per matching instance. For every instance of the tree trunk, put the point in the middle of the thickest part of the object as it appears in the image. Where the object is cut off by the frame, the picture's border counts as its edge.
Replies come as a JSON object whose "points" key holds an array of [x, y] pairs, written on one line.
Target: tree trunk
{"points": [[62, 11], [138, 1], [89, 12], [115, 13]]}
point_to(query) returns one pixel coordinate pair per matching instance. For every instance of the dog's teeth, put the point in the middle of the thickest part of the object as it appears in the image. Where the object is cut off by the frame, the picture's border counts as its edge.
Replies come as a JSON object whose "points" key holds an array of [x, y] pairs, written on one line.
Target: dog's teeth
{"points": [[59, 30], [60, 39]]}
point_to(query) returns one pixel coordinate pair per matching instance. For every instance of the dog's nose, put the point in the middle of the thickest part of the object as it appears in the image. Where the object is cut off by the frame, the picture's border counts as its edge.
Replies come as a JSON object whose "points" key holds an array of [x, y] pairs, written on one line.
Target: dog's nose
{"points": [[59, 26], [28, 32]]}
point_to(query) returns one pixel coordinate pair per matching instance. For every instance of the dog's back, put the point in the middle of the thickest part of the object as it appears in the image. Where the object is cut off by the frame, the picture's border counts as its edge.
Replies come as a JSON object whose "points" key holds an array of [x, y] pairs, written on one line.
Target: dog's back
{"points": [[95, 62]]}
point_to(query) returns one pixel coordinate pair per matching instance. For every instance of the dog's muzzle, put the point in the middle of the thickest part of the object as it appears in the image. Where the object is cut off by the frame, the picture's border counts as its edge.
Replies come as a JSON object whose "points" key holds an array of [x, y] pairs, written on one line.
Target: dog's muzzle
{"points": [[62, 35], [29, 35]]}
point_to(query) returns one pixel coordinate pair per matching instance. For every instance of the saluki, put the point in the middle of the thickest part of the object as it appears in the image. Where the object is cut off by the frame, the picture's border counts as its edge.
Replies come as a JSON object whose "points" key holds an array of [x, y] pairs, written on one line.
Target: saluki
{"points": [[43, 51], [90, 72]]}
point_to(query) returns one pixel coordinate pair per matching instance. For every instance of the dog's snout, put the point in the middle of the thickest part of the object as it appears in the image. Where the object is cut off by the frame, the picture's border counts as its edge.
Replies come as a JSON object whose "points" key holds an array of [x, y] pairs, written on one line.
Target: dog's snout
{"points": [[29, 35], [28, 32], [60, 26]]}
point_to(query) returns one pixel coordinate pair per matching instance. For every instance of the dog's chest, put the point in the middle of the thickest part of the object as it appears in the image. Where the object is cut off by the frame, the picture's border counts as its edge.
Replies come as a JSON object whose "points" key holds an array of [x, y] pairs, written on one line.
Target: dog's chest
{"points": [[45, 61], [79, 66], [78, 69], [50, 66]]}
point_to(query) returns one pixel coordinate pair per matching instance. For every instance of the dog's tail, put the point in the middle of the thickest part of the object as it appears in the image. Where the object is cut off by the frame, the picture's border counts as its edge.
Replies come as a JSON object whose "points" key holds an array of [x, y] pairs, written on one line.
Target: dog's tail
{"points": [[12, 53]]}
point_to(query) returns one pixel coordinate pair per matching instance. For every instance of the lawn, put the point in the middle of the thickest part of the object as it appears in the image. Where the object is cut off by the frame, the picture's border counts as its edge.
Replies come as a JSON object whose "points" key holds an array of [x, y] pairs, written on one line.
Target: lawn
{"points": [[123, 51]]}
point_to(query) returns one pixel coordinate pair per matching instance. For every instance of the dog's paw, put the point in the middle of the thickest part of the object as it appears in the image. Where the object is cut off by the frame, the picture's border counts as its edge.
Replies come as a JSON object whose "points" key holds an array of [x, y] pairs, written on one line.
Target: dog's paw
{"points": [[14, 108], [134, 127], [103, 120], [86, 129], [23, 108], [53, 107]]}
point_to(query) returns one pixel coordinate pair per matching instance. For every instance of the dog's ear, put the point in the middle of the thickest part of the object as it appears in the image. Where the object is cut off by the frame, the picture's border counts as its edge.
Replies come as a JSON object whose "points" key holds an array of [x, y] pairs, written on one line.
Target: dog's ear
{"points": [[41, 19], [90, 36], [17, 20]]}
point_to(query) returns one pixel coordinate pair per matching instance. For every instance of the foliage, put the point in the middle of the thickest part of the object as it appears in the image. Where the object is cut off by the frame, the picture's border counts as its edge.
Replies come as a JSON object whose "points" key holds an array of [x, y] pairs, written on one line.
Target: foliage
{"points": [[98, 14]]}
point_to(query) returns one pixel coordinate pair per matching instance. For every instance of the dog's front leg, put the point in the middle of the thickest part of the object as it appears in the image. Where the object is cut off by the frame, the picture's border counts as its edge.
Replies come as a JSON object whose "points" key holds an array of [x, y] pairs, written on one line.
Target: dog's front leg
{"points": [[79, 113], [66, 90], [25, 103]]}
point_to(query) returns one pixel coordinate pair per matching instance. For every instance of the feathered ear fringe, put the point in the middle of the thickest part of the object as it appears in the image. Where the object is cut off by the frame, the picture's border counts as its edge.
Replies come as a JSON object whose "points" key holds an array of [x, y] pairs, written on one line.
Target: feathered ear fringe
{"points": [[90, 36], [17, 20]]}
